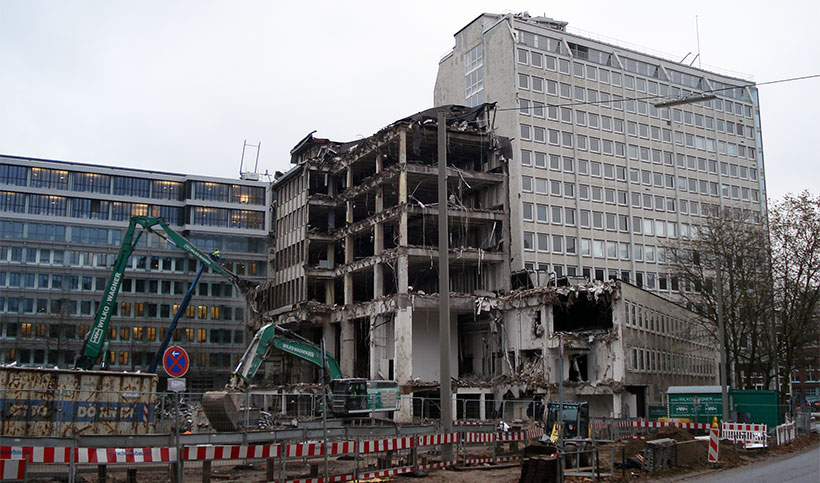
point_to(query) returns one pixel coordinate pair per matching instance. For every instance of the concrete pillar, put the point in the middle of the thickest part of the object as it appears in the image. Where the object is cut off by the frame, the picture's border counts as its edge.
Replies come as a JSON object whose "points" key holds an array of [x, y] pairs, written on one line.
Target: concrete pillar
{"points": [[347, 353], [482, 410], [403, 186]]}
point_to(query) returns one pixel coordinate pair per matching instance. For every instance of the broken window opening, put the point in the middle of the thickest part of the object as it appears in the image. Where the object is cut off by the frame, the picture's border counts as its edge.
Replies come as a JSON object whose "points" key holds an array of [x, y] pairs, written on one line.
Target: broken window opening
{"points": [[578, 368], [579, 312]]}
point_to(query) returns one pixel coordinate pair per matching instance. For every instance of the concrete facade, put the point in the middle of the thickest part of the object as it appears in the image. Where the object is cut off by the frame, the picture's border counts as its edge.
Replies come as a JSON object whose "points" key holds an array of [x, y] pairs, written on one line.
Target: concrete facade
{"points": [[61, 226], [601, 180], [622, 346]]}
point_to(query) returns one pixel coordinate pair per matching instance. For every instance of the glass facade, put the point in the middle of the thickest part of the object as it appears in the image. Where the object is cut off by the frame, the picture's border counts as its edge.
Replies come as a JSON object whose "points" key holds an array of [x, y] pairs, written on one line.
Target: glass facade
{"points": [[57, 248]]}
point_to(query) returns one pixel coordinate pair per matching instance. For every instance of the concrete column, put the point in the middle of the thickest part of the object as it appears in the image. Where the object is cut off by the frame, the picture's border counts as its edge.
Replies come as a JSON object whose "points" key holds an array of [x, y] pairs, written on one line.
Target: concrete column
{"points": [[348, 343], [482, 410], [403, 186]]}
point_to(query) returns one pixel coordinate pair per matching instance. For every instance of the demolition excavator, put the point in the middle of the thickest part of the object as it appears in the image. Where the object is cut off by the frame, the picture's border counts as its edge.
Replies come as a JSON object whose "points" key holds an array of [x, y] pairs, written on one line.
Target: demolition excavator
{"points": [[348, 397]]}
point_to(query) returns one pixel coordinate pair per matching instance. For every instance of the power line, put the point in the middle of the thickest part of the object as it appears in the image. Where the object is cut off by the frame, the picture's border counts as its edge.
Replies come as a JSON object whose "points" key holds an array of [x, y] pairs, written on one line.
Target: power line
{"points": [[646, 98]]}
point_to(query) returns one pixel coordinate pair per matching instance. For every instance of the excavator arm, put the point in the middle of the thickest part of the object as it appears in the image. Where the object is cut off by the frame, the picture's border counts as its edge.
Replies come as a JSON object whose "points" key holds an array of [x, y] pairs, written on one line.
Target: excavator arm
{"points": [[94, 343], [266, 339]]}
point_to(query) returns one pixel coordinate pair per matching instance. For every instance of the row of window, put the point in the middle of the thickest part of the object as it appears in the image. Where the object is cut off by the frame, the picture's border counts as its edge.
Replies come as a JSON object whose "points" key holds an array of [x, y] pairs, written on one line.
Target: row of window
{"points": [[63, 307], [122, 359], [50, 205], [607, 76], [56, 233], [619, 149], [663, 362], [597, 169], [633, 128], [48, 281], [652, 321], [647, 280], [128, 186], [67, 332], [605, 99], [53, 257]]}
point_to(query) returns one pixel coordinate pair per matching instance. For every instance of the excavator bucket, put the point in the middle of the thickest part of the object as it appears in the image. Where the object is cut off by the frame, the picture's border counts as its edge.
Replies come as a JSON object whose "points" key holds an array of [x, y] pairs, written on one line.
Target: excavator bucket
{"points": [[223, 409]]}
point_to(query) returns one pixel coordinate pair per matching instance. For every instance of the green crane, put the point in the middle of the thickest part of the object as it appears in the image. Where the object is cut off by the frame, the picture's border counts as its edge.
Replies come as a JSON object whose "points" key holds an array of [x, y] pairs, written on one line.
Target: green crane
{"points": [[95, 344]]}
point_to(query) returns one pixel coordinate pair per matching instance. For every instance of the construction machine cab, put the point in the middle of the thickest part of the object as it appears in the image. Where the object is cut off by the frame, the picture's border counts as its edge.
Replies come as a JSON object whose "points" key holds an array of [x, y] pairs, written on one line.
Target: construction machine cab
{"points": [[575, 418]]}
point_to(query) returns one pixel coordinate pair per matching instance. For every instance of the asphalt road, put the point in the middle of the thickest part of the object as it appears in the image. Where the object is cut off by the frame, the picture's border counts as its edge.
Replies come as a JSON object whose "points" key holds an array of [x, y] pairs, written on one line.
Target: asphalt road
{"points": [[797, 468]]}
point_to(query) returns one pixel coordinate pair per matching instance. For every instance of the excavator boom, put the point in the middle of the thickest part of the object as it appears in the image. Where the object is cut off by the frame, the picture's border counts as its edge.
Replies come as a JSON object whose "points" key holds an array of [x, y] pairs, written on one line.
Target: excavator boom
{"points": [[94, 342]]}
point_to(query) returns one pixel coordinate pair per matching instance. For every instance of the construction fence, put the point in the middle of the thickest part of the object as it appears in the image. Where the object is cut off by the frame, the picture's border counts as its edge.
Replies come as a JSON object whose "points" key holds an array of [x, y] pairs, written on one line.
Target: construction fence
{"points": [[303, 455]]}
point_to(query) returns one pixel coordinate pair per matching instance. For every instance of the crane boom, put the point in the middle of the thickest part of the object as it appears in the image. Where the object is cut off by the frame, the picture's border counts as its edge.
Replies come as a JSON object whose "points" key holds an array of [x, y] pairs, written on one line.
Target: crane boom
{"points": [[94, 341]]}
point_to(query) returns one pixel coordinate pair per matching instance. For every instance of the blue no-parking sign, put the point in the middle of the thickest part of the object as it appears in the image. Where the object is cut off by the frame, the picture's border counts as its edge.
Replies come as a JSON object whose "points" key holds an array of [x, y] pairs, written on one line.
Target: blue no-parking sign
{"points": [[175, 361]]}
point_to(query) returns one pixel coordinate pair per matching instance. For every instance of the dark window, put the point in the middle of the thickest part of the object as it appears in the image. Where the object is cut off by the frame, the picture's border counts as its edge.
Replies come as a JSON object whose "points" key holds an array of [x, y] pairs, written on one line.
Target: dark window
{"points": [[92, 183], [49, 178], [127, 186], [14, 175], [12, 202], [166, 190]]}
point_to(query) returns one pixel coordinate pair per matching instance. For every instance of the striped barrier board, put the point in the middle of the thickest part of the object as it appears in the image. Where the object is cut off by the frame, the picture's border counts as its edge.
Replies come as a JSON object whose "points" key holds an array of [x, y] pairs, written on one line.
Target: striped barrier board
{"points": [[12, 470], [126, 455], [36, 454], [512, 436], [714, 445], [751, 435], [230, 452], [302, 450], [330, 479], [479, 437], [500, 459], [436, 439], [655, 424], [786, 433], [432, 466], [473, 423], [383, 473], [387, 444]]}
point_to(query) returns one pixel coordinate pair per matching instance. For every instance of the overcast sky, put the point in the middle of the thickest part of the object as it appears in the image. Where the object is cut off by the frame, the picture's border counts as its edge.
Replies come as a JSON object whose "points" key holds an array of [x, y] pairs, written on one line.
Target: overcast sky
{"points": [[177, 86]]}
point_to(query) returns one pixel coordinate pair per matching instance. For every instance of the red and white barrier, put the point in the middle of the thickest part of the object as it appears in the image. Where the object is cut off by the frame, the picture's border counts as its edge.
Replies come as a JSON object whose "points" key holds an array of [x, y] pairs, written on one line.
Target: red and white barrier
{"points": [[751, 435], [12, 470], [126, 455], [655, 424], [512, 436], [441, 464], [230, 452], [714, 445], [437, 439], [479, 437], [302, 450], [387, 444], [383, 473], [36, 454], [786, 433]]}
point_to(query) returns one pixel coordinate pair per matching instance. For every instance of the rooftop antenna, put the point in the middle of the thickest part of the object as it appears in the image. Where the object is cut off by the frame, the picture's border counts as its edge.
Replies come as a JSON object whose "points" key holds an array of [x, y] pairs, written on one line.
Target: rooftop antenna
{"points": [[250, 175]]}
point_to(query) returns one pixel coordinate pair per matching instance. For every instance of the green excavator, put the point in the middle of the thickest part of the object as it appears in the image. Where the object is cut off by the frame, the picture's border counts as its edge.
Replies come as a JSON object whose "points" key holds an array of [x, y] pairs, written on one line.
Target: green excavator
{"points": [[348, 397]]}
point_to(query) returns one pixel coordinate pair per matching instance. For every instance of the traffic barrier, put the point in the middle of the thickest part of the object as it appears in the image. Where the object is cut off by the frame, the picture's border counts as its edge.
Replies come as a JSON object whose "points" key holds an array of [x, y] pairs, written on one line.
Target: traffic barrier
{"points": [[714, 445], [479, 437], [751, 435], [36, 454], [786, 433], [437, 439], [230, 452], [387, 444], [12, 470], [656, 424], [126, 455]]}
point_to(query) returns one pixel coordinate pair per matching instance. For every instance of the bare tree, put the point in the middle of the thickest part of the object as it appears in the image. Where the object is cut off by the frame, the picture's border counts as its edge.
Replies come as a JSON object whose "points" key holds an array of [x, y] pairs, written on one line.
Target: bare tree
{"points": [[731, 243], [795, 239]]}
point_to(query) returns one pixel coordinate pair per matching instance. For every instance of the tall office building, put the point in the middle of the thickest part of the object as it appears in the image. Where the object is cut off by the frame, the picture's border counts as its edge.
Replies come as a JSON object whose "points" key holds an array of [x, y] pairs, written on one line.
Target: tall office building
{"points": [[61, 225], [602, 179]]}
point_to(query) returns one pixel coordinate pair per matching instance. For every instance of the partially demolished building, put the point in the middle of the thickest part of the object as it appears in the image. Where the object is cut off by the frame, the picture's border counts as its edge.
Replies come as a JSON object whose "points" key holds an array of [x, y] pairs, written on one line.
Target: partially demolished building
{"points": [[354, 260], [621, 346]]}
